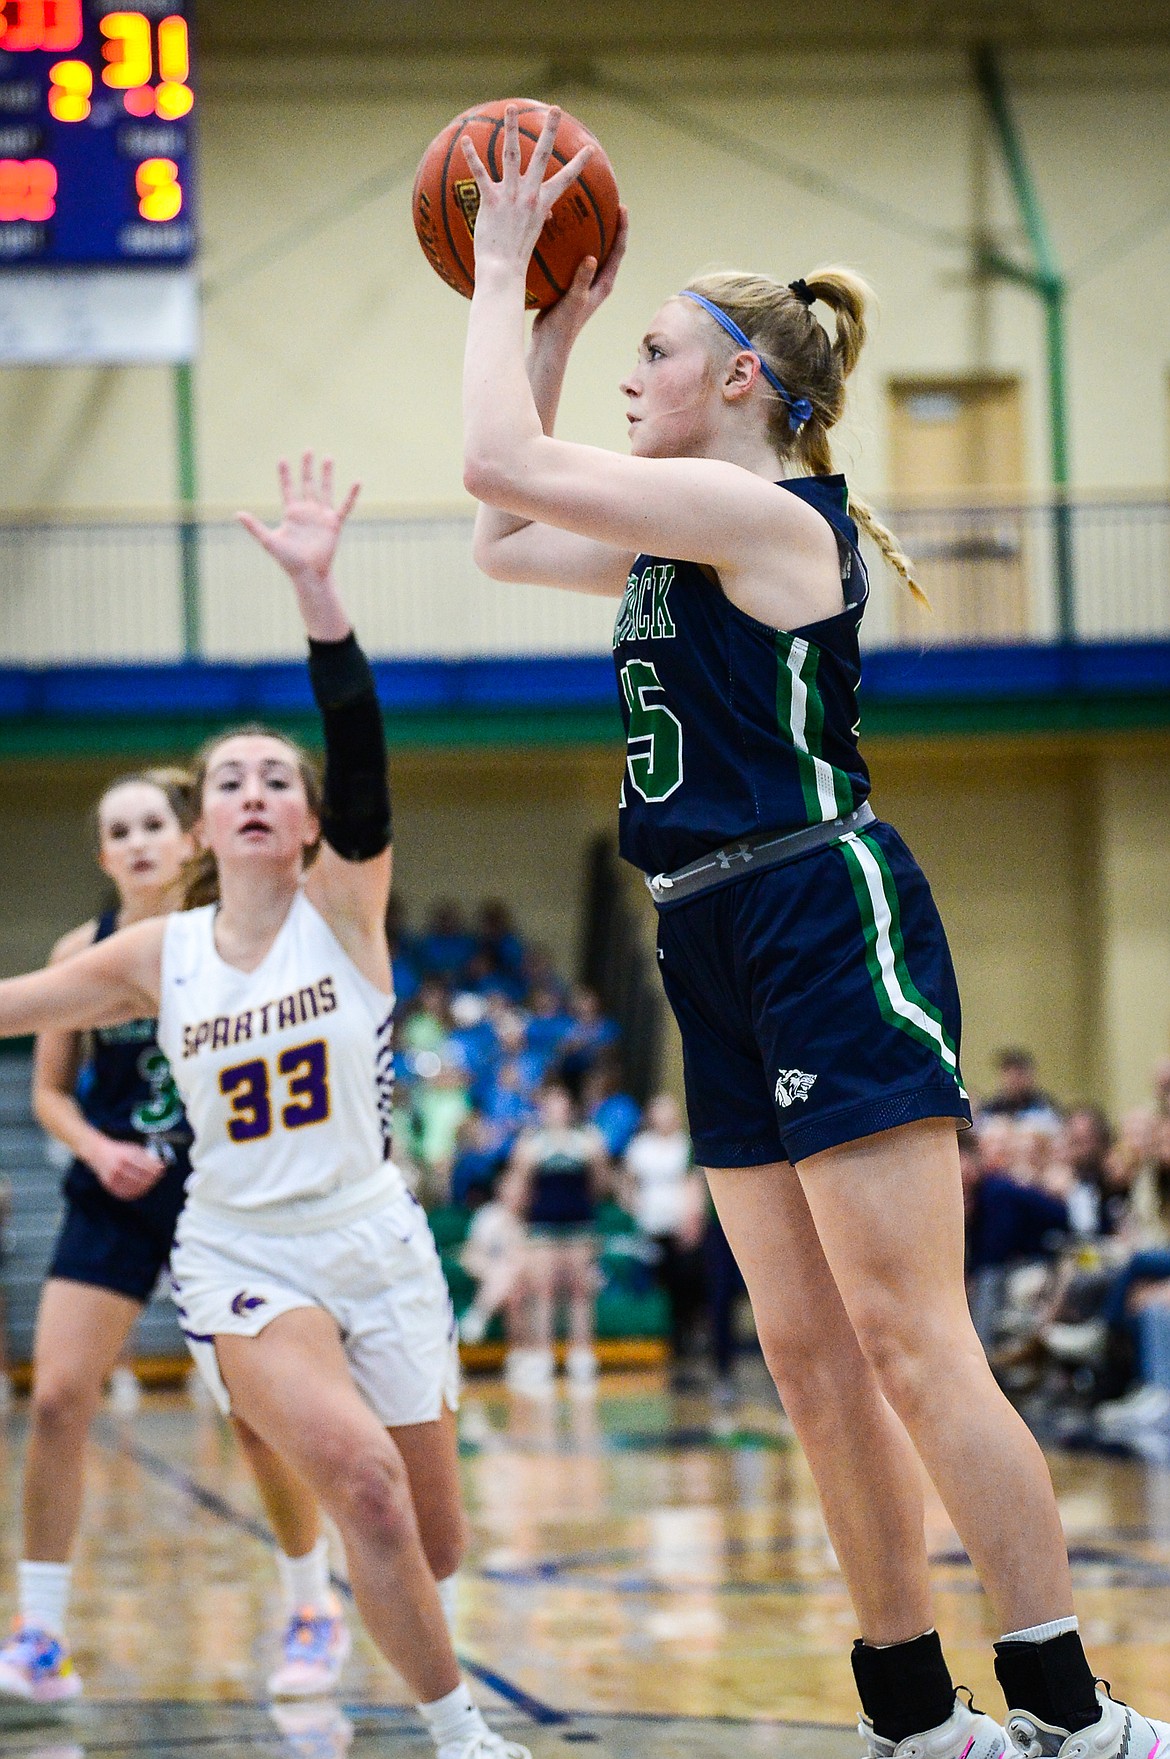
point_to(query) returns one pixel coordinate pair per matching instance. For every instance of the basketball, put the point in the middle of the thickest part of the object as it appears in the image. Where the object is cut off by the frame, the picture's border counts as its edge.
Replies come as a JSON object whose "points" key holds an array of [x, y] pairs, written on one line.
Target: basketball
{"points": [[446, 199]]}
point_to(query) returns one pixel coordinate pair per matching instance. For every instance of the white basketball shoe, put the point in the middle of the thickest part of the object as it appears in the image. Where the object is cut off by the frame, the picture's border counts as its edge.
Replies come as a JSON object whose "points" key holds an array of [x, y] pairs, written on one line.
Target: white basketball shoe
{"points": [[1119, 1734], [967, 1734]]}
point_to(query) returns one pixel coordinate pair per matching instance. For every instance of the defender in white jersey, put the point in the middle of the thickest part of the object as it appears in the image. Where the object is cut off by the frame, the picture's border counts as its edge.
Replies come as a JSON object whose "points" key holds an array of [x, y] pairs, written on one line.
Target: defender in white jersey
{"points": [[287, 1076], [306, 1276]]}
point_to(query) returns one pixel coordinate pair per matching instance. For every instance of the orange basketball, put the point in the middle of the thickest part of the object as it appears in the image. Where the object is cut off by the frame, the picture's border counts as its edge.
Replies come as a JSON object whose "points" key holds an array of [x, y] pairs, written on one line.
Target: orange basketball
{"points": [[446, 200]]}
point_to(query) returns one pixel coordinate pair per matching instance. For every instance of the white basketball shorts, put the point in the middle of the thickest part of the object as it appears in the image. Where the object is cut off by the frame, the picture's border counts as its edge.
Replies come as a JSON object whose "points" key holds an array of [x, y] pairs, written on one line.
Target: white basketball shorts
{"points": [[377, 1276]]}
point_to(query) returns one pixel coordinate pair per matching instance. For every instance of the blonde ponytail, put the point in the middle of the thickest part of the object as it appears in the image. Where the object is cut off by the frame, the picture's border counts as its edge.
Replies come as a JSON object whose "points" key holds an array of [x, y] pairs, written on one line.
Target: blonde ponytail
{"points": [[892, 552], [795, 345]]}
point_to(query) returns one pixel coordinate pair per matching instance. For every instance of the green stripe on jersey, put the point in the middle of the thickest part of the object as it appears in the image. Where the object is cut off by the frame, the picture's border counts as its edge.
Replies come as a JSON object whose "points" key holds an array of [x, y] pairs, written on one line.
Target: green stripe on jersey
{"points": [[900, 1001], [800, 710]]}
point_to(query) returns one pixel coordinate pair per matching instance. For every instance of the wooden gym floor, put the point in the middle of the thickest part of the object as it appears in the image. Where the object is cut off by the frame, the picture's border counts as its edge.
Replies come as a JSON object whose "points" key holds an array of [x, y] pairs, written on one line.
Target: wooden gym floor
{"points": [[647, 1577]]}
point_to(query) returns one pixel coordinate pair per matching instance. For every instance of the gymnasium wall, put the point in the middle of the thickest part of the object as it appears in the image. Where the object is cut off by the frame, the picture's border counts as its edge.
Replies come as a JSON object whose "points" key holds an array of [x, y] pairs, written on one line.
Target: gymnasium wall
{"points": [[1050, 860], [324, 325]]}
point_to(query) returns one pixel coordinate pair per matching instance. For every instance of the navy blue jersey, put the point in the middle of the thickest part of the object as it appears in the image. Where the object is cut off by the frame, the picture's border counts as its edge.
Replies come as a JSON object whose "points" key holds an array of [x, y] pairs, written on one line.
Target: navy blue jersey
{"points": [[734, 728], [126, 1090], [561, 1189]]}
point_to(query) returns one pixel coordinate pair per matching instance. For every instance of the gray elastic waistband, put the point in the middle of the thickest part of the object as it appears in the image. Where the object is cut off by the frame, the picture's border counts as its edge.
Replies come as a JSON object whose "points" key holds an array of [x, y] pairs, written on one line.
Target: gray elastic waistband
{"points": [[753, 855]]}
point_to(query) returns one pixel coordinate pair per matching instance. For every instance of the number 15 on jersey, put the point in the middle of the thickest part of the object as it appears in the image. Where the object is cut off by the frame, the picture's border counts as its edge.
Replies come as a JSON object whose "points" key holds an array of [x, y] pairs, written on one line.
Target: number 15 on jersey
{"points": [[654, 754]]}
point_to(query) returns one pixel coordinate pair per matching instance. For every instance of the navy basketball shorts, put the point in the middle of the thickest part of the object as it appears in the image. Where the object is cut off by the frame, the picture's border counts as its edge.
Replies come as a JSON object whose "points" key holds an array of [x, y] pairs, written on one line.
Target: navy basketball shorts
{"points": [[109, 1243], [817, 1004]]}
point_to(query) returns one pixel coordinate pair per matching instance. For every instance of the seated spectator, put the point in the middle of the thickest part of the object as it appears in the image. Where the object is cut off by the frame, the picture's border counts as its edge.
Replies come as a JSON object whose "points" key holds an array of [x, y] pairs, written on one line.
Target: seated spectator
{"points": [[1018, 1095], [1083, 1147], [540, 972], [494, 1254], [562, 1168], [473, 1031], [479, 1157], [526, 1066], [507, 1105], [426, 1024], [1147, 1221], [445, 945], [591, 1034], [1139, 1404], [549, 1024], [499, 952], [667, 1199], [1008, 1224], [616, 1113], [1036, 1163], [438, 1106]]}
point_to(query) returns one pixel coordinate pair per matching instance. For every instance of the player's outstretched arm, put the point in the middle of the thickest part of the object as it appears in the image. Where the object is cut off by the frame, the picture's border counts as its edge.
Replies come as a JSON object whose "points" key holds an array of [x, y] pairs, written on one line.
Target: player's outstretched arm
{"points": [[116, 981], [350, 880], [512, 548], [699, 509]]}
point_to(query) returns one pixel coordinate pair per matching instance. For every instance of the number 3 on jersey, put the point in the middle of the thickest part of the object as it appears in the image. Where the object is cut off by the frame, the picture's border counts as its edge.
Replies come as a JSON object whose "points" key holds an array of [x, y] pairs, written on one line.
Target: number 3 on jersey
{"points": [[247, 1086], [654, 756]]}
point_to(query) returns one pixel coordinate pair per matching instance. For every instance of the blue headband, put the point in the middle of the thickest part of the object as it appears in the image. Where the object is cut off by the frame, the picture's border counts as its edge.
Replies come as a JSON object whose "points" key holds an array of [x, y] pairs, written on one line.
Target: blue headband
{"points": [[799, 408]]}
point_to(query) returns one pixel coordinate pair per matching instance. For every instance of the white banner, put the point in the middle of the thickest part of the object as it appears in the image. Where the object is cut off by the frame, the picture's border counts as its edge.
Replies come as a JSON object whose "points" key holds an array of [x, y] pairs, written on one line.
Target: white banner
{"points": [[100, 317]]}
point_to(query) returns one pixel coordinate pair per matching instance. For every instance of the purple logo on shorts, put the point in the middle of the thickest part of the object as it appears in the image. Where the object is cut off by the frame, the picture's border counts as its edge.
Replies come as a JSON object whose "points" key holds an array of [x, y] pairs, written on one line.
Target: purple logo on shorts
{"points": [[245, 1303]]}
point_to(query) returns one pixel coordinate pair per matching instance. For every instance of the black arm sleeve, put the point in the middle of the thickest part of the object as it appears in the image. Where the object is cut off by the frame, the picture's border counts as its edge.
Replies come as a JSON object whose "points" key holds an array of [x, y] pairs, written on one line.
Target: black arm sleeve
{"points": [[355, 817]]}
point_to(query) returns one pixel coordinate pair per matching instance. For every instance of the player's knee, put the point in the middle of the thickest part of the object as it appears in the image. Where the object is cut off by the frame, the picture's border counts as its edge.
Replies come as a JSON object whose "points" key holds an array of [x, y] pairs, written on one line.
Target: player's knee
{"points": [[63, 1401], [901, 1350], [374, 1493], [800, 1371]]}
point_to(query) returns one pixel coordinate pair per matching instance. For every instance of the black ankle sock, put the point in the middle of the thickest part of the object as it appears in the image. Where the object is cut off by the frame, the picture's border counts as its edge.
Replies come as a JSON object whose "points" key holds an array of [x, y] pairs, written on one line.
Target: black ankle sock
{"points": [[904, 1689], [1051, 1680]]}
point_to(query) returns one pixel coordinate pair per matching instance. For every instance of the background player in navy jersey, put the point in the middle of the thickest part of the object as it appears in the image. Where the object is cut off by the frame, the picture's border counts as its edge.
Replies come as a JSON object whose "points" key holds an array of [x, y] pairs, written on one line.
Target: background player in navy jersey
{"points": [[123, 1194], [800, 947], [306, 1278]]}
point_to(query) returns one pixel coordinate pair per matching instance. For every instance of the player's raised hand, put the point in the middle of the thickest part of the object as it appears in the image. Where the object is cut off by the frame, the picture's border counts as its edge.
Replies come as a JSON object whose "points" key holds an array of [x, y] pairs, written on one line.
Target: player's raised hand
{"points": [[590, 287], [513, 210], [305, 542]]}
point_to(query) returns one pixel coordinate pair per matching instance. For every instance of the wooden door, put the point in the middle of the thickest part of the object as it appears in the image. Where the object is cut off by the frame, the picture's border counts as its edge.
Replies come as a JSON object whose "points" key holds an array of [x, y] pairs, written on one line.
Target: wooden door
{"points": [[958, 472]]}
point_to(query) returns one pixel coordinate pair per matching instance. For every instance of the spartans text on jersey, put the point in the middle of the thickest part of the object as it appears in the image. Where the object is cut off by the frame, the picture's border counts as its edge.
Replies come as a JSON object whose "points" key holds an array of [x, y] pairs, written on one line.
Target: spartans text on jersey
{"points": [[294, 1009]]}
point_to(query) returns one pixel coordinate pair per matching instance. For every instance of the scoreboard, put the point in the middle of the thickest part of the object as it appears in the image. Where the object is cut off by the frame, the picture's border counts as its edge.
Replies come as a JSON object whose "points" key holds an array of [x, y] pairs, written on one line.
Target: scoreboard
{"points": [[96, 112]]}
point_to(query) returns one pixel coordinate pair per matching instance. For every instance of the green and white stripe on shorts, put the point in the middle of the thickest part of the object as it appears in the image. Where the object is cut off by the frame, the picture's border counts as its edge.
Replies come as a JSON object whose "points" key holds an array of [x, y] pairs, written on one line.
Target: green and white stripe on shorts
{"points": [[901, 1003]]}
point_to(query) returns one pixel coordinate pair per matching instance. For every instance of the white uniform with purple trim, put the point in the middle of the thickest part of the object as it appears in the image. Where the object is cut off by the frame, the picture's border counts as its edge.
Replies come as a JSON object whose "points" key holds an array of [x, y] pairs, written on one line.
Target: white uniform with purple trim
{"points": [[287, 1077]]}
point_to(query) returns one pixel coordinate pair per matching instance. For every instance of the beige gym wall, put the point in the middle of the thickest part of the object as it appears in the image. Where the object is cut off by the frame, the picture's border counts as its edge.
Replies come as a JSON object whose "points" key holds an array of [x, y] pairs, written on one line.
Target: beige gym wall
{"points": [[1050, 859], [348, 341]]}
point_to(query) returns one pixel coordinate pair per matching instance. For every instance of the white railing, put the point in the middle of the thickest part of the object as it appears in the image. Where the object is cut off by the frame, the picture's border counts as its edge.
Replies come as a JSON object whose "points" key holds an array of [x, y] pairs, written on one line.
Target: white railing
{"points": [[73, 591]]}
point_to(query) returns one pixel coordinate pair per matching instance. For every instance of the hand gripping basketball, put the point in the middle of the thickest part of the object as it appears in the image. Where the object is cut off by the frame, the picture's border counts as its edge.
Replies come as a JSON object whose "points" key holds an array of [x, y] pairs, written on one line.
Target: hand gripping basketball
{"points": [[513, 211], [553, 222]]}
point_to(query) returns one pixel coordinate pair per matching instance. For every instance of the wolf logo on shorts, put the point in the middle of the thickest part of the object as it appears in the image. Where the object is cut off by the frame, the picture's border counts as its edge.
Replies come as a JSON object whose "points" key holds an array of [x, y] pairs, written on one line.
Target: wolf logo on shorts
{"points": [[793, 1084]]}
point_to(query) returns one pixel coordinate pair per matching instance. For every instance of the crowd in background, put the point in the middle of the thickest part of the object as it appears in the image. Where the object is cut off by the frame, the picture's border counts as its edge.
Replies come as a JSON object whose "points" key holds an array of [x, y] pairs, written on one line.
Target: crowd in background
{"points": [[1068, 1255], [1068, 1217], [504, 1069]]}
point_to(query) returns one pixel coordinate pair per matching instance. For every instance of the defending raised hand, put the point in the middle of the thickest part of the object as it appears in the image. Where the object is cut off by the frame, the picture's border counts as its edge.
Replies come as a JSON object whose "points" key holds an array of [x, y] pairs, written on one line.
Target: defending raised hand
{"points": [[305, 542]]}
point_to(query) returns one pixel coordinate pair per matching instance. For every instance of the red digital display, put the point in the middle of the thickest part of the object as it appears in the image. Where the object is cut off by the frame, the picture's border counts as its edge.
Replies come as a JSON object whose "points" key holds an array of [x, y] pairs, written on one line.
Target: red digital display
{"points": [[94, 133], [55, 25]]}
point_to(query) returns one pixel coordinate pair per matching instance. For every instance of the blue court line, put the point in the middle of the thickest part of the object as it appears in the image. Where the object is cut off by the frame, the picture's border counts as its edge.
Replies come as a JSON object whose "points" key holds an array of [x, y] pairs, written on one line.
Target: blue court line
{"points": [[210, 1500], [1131, 1571]]}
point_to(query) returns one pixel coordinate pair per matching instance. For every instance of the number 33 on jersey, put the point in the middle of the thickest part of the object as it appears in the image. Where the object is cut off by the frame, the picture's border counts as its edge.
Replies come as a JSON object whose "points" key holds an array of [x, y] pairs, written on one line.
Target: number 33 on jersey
{"points": [[286, 1071]]}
